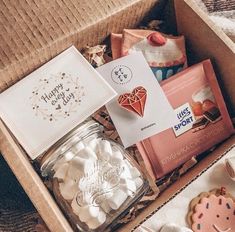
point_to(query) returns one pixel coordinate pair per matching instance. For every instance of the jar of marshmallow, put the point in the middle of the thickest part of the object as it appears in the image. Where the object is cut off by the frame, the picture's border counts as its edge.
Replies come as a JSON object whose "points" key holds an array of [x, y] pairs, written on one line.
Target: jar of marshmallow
{"points": [[94, 179]]}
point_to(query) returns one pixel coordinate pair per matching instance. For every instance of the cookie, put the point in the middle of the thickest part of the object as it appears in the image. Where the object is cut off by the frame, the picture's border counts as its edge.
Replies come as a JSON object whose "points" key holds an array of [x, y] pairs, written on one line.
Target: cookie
{"points": [[212, 212]]}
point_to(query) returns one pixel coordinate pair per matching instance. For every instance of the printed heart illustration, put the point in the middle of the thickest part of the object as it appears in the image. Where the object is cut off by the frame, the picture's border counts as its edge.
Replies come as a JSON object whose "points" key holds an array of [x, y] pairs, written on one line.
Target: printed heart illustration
{"points": [[58, 107], [134, 101]]}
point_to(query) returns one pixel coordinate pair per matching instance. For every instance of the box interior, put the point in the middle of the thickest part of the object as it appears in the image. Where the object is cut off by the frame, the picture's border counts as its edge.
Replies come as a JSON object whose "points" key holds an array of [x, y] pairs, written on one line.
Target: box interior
{"points": [[205, 40], [34, 32], [220, 48], [178, 186]]}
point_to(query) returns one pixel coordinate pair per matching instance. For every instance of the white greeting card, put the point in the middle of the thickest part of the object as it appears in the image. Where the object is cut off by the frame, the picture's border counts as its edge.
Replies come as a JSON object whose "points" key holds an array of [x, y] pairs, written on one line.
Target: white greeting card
{"points": [[44, 106], [141, 108]]}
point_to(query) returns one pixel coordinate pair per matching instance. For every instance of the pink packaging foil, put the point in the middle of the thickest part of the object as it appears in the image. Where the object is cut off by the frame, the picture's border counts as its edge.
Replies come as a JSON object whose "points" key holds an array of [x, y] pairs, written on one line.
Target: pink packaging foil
{"points": [[203, 120]]}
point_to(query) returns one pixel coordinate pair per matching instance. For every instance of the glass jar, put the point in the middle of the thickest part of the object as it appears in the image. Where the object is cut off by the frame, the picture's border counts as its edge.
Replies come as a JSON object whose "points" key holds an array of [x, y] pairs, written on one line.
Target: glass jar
{"points": [[95, 181]]}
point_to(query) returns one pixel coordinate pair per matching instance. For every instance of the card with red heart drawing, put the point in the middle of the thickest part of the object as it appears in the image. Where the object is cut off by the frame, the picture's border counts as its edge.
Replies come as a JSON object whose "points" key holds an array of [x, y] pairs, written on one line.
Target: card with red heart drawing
{"points": [[141, 108]]}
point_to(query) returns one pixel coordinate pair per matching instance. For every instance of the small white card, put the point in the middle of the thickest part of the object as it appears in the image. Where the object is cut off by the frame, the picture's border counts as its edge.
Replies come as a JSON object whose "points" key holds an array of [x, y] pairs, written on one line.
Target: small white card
{"points": [[141, 108], [44, 106]]}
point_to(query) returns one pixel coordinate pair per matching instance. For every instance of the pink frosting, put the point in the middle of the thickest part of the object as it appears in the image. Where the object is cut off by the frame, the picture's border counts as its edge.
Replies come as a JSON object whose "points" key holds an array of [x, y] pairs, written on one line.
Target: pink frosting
{"points": [[156, 39], [214, 214]]}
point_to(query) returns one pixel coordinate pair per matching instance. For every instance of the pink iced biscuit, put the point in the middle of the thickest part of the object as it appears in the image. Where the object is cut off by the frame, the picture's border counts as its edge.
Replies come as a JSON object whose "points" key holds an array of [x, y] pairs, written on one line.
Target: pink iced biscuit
{"points": [[214, 214]]}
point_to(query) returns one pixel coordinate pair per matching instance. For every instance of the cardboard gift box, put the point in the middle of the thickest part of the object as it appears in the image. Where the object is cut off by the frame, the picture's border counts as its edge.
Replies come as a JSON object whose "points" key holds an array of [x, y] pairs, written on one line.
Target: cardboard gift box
{"points": [[34, 33]]}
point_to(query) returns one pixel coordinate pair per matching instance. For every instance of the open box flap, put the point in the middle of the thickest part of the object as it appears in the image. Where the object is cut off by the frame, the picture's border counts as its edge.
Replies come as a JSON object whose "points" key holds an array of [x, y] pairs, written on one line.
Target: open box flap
{"points": [[206, 40], [33, 32], [31, 182]]}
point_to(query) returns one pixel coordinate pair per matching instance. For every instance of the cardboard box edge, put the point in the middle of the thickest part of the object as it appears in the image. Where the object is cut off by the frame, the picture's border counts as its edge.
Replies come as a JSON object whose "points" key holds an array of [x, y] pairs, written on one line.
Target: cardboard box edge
{"points": [[33, 186], [178, 186]]}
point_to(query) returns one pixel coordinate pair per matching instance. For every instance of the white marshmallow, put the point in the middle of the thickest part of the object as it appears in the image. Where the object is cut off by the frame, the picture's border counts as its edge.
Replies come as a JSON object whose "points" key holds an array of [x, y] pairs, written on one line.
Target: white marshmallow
{"points": [[65, 159], [130, 171], [87, 153], [128, 186], [230, 166], [117, 153], [138, 182], [98, 221], [87, 198], [105, 150], [105, 207], [134, 171], [68, 189], [118, 199], [77, 167], [128, 164], [68, 156], [171, 227], [126, 173], [107, 190], [61, 171], [109, 194], [88, 212], [78, 147], [116, 161], [93, 144]]}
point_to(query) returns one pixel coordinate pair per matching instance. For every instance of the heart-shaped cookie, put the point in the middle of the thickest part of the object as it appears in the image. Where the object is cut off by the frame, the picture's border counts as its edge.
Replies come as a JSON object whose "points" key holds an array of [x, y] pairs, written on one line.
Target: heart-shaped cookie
{"points": [[134, 101]]}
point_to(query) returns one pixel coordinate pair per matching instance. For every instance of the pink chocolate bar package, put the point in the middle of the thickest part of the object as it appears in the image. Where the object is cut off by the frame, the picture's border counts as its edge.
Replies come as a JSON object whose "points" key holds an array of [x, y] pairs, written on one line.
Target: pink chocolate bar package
{"points": [[202, 120]]}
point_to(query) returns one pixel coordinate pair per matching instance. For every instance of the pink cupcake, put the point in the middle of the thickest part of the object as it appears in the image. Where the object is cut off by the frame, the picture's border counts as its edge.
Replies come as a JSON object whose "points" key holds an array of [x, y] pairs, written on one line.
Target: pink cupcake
{"points": [[165, 54]]}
